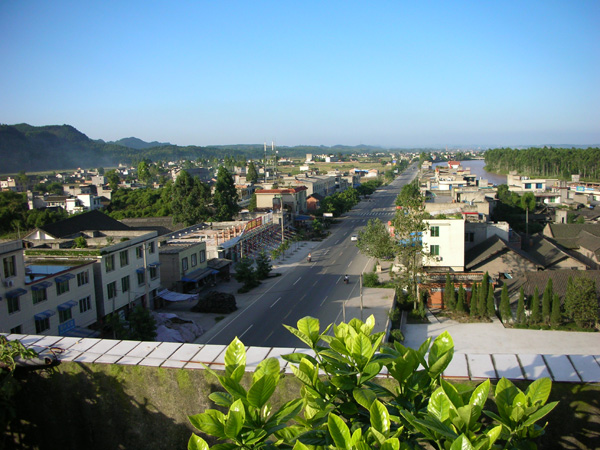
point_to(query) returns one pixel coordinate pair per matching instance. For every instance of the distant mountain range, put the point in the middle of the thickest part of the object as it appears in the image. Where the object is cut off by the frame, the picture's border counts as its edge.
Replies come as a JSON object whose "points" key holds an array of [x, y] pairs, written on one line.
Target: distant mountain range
{"points": [[60, 147]]}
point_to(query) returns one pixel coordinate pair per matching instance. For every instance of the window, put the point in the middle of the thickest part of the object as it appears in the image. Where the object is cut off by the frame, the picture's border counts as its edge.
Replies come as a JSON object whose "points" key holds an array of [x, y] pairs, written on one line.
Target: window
{"points": [[39, 296], [469, 237], [194, 260], [62, 287], [141, 278], [13, 305], [153, 272], [109, 263], [434, 250], [434, 231], [202, 256], [65, 315], [527, 185], [139, 252], [9, 267], [83, 278], [184, 264], [16, 330], [111, 289], [538, 185], [125, 284], [42, 325], [124, 257], [85, 304], [151, 247]]}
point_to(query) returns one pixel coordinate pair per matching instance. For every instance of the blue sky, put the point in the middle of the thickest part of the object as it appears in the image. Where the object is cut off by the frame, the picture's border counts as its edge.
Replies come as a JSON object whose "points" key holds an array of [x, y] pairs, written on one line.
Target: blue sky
{"points": [[390, 73]]}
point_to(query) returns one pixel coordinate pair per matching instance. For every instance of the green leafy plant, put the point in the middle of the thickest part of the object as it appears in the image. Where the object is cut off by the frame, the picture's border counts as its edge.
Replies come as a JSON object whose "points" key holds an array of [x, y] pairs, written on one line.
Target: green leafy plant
{"points": [[341, 406]]}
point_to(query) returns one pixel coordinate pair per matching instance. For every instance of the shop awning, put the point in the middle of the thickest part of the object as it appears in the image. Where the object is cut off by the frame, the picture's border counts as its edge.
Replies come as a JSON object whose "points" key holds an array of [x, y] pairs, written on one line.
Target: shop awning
{"points": [[154, 264], [40, 286], [81, 332], [301, 218], [65, 277], [197, 275], [15, 293], [44, 314], [66, 305], [140, 270], [176, 296]]}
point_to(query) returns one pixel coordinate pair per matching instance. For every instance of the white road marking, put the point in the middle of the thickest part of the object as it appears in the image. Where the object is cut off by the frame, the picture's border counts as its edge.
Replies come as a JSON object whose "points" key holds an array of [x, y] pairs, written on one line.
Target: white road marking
{"points": [[240, 336], [324, 300], [275, 302], [297, 281]]}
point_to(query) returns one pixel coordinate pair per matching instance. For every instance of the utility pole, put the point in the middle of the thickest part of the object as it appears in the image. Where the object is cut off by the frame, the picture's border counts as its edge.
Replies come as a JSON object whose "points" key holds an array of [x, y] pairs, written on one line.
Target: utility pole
{"points": [[361, 298], [265, 161]]}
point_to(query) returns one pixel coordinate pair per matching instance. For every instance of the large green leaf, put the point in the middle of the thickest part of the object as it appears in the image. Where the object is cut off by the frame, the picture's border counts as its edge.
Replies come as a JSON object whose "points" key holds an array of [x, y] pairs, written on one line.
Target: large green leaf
{"points": [[494, 434], [391, 444], [295, 358], [299, 446], [480, 394], [303, 337], [345, 383], [210, 422], [440, 364], [197, 443], [302, 376], [539, 414], [369, 372], [309, 326], [505, 394], [432, 424], [268, 366], [287, 412], [380, 417], [539, 391], [362, 351], [235, 419], [261, 390], [452, 393], [441, 345], [222, 398], [439, 405], [235, 356], [461, 443], [233, 387], [339, 431]]}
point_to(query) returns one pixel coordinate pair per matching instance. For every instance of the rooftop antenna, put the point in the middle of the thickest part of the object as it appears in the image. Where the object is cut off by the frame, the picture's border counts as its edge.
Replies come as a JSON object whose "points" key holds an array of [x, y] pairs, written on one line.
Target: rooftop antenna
{"points": [[265, 165]]}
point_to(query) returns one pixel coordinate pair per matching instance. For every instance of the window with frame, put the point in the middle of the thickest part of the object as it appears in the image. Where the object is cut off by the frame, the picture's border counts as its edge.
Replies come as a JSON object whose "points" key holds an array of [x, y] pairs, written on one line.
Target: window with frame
{"points": [[39, 295], [16, 330], [434, 231], [184, 264], [434, 250], [151, 247], [202, 256], [109, 263], [9, 266], [470, 237], [13, 304], [538, 185], [527, 185], [85, 304], [153, 272], [141, 278], [65, 315], [62, 287], [111, 290], [139, 252], [42, 325], [125, 284], [194, 259], [83, 278], [124, 257]]}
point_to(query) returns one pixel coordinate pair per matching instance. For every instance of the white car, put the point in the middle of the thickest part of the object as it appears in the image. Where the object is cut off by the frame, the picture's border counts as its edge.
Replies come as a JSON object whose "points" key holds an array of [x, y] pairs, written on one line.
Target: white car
{"points": [[354, 237]]}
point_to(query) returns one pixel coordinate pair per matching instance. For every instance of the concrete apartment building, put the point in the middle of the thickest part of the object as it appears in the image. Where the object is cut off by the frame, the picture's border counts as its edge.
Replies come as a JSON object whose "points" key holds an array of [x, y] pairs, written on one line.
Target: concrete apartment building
{"points": [[183, 263], [125, 261]]}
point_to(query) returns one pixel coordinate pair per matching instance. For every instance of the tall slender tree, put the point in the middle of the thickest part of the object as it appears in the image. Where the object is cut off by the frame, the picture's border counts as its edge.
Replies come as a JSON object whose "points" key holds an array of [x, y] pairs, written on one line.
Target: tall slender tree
{"points": [[535, 308], [473, 303], [555, 317], [490, 303], [225, 197], [252, 174], [505, 312], [547, 301], [460, 303], [521, 317]]}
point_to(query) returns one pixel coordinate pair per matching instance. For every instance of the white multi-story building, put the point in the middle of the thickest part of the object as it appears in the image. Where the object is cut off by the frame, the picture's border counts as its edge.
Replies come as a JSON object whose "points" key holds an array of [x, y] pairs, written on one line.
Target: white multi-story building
{"points": [[444, 244]]}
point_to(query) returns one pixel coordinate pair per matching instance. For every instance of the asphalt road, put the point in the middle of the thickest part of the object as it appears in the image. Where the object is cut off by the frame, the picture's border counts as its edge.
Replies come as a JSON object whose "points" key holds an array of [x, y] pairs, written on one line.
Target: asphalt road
{"points": [[312, 289]]}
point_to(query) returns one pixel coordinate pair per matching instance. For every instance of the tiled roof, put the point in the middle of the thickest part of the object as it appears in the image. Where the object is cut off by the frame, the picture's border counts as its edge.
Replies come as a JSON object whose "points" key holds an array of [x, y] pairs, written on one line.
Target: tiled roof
{"points": [[93, 220], [545, 252], [489, 248]]}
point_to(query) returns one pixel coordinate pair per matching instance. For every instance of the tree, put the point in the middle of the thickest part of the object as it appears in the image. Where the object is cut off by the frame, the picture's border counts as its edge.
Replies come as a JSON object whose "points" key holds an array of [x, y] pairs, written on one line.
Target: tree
{"points": [[252, 175], [490, 303], [225, 197], [460, 303], [505, 312], [375, 241], [555, 317], [535, 308], [473, 302], [521, 317], [142, 326], [113, 179], [547, 301], [449, 298], [483, 295], [143, 172], [409, 225], [245, 273], [263, 265], [252, 204], [100, 171], [581, 301], [190, 199], [80, 242]]}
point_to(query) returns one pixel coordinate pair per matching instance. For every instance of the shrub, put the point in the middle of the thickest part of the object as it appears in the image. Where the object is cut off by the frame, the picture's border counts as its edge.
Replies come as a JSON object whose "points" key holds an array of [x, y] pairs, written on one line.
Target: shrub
{"points": [[370, 279], [344, 408]]}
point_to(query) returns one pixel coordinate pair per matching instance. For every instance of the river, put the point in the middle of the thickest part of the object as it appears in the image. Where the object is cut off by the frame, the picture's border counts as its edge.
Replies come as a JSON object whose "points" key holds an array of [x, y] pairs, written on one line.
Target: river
{"points": [[476, 166]]}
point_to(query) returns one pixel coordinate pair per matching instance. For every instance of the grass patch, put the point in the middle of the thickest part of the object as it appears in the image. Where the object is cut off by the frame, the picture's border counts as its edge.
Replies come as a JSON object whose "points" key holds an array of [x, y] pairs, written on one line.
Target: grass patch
{"points": [[219, 318], [462, 317]]}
